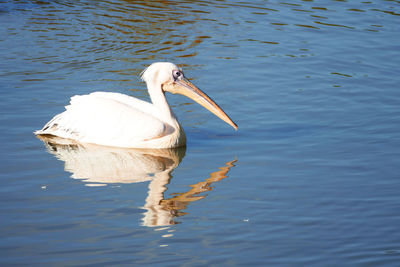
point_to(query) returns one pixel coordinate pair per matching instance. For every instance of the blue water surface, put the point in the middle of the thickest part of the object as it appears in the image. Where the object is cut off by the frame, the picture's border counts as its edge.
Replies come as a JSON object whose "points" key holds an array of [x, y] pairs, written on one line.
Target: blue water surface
{"points": [[310, 179]]}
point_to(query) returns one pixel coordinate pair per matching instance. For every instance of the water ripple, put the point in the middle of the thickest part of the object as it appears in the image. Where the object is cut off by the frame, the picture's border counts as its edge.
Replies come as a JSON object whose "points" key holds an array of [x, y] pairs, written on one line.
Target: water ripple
{"points": [[313, 86]]}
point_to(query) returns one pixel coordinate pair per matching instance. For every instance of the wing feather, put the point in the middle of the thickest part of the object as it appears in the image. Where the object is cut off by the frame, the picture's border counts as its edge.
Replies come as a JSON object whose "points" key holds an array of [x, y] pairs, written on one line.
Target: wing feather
{"points": [[110, 119]]}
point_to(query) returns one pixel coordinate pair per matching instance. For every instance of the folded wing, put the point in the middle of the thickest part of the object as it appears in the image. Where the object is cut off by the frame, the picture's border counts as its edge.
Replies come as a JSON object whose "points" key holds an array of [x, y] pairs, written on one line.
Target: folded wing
{"points": [[110, 119]]}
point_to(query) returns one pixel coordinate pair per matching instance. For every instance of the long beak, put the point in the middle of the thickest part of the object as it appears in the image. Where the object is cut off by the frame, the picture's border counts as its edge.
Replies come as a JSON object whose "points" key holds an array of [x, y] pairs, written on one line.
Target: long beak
{"points": [[186, 88]]}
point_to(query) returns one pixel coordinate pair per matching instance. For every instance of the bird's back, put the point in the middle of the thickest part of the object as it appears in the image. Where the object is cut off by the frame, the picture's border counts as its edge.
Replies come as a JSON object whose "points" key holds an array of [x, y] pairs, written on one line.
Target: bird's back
{"points": [[110, 119]]}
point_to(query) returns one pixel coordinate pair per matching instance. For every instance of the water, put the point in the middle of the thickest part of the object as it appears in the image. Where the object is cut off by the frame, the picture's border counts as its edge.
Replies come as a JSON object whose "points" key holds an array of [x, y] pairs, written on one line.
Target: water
{"points": [[310, 178]]}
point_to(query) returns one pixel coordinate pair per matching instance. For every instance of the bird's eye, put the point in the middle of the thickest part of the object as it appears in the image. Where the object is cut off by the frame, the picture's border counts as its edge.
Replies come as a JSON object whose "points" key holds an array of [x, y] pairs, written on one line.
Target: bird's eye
{"points": [[177, 74]]}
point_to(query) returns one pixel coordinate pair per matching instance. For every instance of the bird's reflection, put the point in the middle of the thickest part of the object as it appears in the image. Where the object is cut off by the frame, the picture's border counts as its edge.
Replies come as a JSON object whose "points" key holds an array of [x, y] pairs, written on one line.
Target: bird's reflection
{"points": [[99, 165]]}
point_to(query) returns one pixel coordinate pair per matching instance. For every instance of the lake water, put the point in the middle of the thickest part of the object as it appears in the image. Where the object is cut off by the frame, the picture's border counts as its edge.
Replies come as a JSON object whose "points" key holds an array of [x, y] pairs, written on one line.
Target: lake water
{"points": [[312, 177]]}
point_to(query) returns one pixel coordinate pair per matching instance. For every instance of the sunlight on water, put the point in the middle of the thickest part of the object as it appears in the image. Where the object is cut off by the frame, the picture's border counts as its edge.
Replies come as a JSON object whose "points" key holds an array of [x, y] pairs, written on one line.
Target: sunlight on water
{"points": [[310, 178]]}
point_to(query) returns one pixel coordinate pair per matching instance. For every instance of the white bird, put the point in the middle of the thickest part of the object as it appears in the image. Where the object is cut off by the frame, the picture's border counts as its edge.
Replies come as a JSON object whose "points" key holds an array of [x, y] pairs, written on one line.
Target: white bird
{"points": [[118, 120]]}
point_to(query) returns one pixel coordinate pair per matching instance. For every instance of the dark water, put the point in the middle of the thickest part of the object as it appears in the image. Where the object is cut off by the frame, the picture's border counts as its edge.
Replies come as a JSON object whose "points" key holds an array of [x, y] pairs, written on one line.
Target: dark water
{"points": [[312, 177]]}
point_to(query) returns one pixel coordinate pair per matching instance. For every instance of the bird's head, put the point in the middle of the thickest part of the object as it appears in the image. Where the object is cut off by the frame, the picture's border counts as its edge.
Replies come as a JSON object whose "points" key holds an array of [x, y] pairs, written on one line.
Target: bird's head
{"points": [[171, 79]]}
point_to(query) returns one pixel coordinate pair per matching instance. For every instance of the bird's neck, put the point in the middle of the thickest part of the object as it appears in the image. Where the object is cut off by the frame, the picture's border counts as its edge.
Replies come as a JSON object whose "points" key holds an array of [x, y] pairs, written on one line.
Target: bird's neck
{"points": [[159, 100]]}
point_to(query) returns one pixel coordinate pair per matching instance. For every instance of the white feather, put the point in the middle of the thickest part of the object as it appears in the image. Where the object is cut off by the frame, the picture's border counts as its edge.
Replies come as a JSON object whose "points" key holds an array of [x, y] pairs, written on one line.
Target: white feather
{"points": [[110, 119], [117, 118]]}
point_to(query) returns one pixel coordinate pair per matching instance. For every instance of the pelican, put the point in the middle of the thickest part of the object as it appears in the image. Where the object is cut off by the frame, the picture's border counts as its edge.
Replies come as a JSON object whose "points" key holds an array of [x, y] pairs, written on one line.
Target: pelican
{"points": [[118, 120]]}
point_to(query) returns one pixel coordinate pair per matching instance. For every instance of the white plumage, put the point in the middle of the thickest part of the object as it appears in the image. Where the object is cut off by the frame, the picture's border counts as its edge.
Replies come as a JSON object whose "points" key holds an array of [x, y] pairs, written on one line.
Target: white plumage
{"points": [[118, 120], [110, 119]]}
